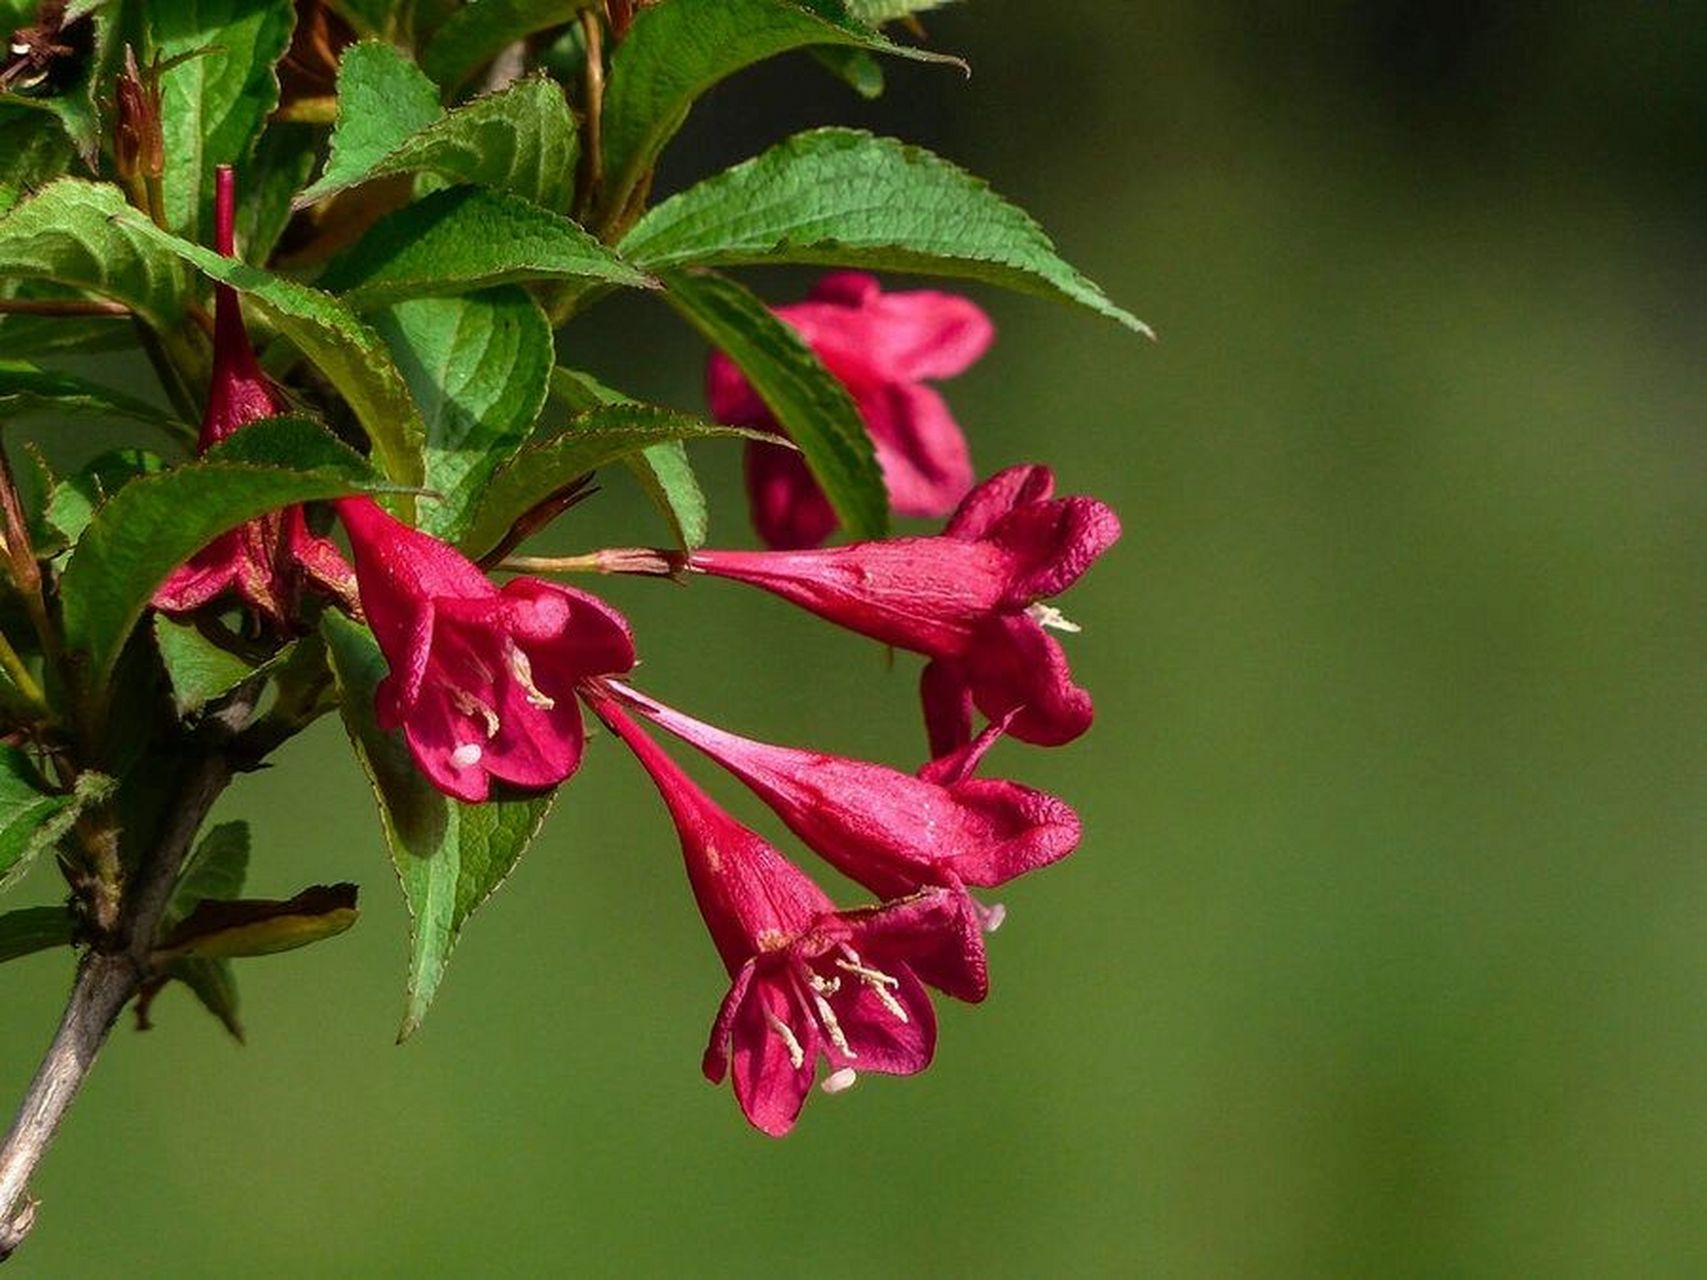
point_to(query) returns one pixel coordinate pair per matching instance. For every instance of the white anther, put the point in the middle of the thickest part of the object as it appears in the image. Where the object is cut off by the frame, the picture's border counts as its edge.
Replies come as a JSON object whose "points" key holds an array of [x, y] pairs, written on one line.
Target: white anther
{"points": [[796, 1055], [825, 986], [19, 49], [473, 707], [827, 1016], [522, 670], [467, 755], [1047, 615], [991, 916], [889, 1001], [840, 1081]]}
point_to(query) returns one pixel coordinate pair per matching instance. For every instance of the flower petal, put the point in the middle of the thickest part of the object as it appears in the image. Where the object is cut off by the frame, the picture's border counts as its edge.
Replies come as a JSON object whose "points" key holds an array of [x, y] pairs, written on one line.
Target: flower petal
{"points": [[1015, 668], [789, 509], [947, 700], [997, 496], [770, 1086], [1053, 543], [926, 465]]}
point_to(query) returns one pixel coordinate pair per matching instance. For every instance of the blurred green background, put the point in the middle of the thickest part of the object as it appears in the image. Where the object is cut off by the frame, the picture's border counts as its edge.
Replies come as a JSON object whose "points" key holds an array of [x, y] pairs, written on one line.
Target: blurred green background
{"points": [[1386, 949]]}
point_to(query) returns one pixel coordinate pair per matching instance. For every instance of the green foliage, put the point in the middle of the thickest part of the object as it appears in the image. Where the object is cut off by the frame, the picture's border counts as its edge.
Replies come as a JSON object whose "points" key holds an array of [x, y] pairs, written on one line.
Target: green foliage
{"points": [[480, 29], [202, 670], [71, 503], [676, 51], [25, 807], [840, 197], [478, 367], [76, 106], [468, 238], [383, 99], [449, 856], [594, 439], [84, 234], [663, 470], [230, 929], [157, 522], [37, 152], [215, 871], [28, 388], [815, 408], [520, 140], [215, 97], [33, 929]]}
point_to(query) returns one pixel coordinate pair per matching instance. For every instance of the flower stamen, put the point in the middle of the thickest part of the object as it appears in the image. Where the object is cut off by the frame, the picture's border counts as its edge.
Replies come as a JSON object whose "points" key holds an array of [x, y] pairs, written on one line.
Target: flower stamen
{"points": [[840, 1080], [796, 1055], [522, 670], [1047, 615], [475, 709]]}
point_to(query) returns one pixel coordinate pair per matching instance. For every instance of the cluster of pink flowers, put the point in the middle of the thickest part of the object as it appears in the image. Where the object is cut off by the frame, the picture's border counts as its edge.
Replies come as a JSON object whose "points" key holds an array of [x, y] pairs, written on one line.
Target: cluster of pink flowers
{"points": [[486, 683]]}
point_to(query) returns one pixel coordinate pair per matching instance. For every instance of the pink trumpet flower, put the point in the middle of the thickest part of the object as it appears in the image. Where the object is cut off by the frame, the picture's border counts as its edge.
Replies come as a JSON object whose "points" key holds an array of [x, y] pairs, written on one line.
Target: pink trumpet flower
{"points": [[268, 561], [968, 599], [890, 831], [883, 347], [808, 982], [482, 679]]}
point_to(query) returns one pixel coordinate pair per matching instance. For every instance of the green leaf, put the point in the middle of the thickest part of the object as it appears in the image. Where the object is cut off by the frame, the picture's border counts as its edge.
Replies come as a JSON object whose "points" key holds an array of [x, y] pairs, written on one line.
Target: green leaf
{"points": [[595, 439], [521, 140], [815, 408], [284, 157], [468, 238], [157, 522], [663, 470], [842, 197], [853, 67], [214, 100], [214, 872], [676, 51], [36, 150], [84, 234], [33, 929], [449, 856], [200, 669], [383, 99], [478, 367], [479, 31], [27, 388], [873, 12], [71, 504], [214, 984], [25, 807], [224, 930]]}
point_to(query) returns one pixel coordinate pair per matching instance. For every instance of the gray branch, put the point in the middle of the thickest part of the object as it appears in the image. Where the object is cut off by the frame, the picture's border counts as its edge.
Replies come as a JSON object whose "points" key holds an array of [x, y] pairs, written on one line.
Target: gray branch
{"points": [[106, 981]]}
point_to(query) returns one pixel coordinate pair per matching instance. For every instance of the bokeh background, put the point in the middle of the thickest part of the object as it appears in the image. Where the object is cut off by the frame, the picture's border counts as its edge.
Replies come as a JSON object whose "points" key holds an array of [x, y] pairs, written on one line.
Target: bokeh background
{"points": [[1386, 949]]}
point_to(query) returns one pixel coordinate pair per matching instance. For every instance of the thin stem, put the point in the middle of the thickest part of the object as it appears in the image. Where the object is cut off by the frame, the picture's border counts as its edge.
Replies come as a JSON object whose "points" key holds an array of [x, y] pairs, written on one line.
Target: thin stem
{"points": [[106, 981], [647, 561], [592, 175], [62, 307], [26, 572], [20, 675]]}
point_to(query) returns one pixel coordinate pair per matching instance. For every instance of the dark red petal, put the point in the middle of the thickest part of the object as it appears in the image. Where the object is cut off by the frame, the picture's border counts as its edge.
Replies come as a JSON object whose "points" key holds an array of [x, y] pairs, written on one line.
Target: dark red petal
{"points": [[997, 496], [769, 1087], [926, 466], [1014, 667], [879, 1041], [1053, 543], [947, 700], [789, 509]]}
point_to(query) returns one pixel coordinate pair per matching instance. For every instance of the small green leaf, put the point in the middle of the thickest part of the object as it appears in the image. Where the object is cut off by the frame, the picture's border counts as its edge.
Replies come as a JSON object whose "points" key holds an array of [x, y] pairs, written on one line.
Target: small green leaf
{"points": [[33, 929], [214, 984], [74, 104], [595, 439], [201, 670], [266, 184], [853, 67], [157, 522], [520, 140], [479, 31], [72, 503], [383, 99], [25, 806], [468, 238], [676, 51], [815, 408], [227, 929], [449, 856], [845, 198], [215, 98], [663, 470], [478, 367], [36, 150], [215, 871], [28, 388]]}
